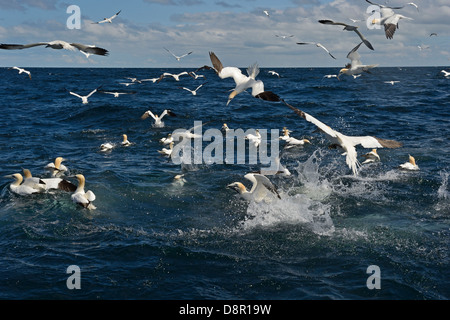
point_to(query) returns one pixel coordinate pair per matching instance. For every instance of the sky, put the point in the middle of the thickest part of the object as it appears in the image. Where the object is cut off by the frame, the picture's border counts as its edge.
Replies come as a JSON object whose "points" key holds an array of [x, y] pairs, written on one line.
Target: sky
{"points": [[238, 31]]}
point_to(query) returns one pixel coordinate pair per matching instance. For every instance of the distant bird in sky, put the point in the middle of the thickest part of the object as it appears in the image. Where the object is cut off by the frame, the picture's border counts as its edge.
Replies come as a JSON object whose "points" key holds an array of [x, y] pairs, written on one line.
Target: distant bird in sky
{"points": [[84, 99], [346, 143], [349, 28], [109, 20], [391, 82], [433, 34], [319, 46], [178, 57], [266, 13], [58, 44], [22, 71], [354, 20], [194, 92], [284, 36], [388, 18], [355, 67], [156, 118], [423, 47], [243, 82]]}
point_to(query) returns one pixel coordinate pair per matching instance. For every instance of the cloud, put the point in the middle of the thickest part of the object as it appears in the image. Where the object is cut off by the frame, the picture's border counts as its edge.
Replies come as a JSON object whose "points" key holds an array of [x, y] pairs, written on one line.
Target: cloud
{"points": [[227, 5], [175, 2], [22, 5]]}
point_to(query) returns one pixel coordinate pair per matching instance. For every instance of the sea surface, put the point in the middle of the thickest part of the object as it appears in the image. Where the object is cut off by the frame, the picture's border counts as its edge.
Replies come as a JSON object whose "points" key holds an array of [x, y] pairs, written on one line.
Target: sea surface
{"points": [[383, 234]]}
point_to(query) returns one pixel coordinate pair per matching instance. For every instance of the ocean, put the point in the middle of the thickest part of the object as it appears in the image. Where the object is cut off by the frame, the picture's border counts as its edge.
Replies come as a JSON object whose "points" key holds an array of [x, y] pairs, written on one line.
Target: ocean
{"points": [[380, 235]]}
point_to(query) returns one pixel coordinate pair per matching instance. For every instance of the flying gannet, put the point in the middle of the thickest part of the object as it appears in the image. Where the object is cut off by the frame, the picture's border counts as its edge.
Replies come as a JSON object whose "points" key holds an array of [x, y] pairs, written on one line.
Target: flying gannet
{"points": [[175, 76], [18, 187], [261, 190], [433, 34], [46, 184], [243, 82], [319, 46], [284, 36], [423, 47], [116, 94], [355, 67], [196, 76], [194, 92], [153, 79], [22, 71], [347, 143], [266, 13], [56, 167], [58, 44], [329, 76], [388, 18], [293, 142], [349, 28], [274, 73], [371, 156], [410, 165], [109, 20], [178, 57], [446, 73], [167, 152], [81, 197], [84, 99], [158, 119]]}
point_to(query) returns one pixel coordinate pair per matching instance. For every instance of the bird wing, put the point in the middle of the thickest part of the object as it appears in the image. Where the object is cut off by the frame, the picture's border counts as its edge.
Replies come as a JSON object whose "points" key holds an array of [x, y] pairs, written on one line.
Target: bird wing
{"points": [[171, 53], [75, 94], [90, 49], [216, 62], [354, 56], [261, 184], [116, 14], [366, 42], [147, 114], [91, 93], [333, 22], [21, 46], [371, 142], [253, 71], [90, 196], [186, 54], [321, 46]]}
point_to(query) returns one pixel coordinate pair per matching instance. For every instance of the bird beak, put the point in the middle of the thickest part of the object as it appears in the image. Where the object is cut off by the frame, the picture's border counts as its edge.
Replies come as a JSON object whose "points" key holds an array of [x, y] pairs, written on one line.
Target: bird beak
{"points": [[9, 176], [231, 96]]}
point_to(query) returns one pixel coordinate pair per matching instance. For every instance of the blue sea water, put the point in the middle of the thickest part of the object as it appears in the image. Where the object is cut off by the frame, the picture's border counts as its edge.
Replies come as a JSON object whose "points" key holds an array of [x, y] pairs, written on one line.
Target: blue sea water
{"points": [[152, 237]]}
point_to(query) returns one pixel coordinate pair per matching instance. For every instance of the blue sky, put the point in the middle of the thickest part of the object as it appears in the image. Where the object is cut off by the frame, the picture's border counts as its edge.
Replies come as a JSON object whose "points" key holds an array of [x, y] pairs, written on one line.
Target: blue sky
{"points": [[238, 31]]}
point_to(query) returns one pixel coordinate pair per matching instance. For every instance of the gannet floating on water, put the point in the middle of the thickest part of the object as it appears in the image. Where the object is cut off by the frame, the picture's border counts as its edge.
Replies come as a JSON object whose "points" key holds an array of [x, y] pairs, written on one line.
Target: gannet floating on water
{"points": [[125, 142], [167, 139], [106, 147], [22, 71], [225, 128], [255, 139], [347, 143], [18, 187], [410, 165], [371, 156], [158, 119], [243, 82], [261, 190], [58, 44], [329, 76], [56, 167], [392, 82], [167, 152], [319, 46], [388, 18], [178, 57], [45, 184], [349, 28], [81, 197], [194, 92], [355, 67], [109, 20], [84, 99]]}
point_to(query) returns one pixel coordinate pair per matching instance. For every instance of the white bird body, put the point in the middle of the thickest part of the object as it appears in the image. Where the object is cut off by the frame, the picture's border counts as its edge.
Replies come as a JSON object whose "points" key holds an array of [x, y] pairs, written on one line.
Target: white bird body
{"points": [[410, 165], [22, 71], [20, 188], [446, 73], [165, 151], [166, 140], [347, 143], [292, 142], [356, 67], [84, 99], [106, 146], [81, 197], [175, 76], [274, 73], [392, 82], [371, 156], [243, 82], [261, 190], [194, 92], [255, 139], [108, 20], [56, 167], [158, 119]]}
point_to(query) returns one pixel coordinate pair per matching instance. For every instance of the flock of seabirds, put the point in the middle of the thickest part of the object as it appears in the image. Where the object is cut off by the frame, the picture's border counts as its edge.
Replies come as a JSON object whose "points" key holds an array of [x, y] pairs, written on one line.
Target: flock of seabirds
{"points": [[262, 187]]}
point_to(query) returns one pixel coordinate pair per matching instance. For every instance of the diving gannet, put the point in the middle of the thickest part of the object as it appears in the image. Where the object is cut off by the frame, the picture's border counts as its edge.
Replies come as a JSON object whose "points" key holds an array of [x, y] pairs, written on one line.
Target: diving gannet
{"points": [[261, 190], [109, 20], [125, 142], [165, 151], [45, 184], [22, 71], [319, 46], [243, 82], [349, 28], [158, 119], [57, 168], [175, 76], [347, 143], [58, 44], [371, 156], [410, 165], [18, 187], [388, 18], [194, 92], [81, 197], [84, 99], [355, 66], [274, 73], [178, 57], [255, 139]]}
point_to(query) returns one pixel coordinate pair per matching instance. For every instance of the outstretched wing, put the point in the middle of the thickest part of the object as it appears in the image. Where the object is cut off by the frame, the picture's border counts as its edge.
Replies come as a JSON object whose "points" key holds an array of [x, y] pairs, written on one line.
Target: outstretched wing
{"points": [[90, 49], [21, 46]]}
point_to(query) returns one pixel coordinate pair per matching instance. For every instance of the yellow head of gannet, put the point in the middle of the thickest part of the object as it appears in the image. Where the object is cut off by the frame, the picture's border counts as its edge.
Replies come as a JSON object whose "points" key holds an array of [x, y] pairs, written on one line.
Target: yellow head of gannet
{"points": [[125, 141], [19, 188], [80, 196], [410, 165]]}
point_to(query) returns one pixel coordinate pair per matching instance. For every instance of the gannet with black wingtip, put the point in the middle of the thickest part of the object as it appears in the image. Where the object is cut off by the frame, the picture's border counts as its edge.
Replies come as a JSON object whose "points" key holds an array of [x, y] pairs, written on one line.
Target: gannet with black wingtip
{"points": [[18, 187], [274, 73], [261, 190], [355, 67], [243, 82], [349, 28], [319, 46], [347, 143], [58, 44], [56, 167], [81, 197], [194, 92], [255, 139], [178, 57], [388, 18], [410, 165], [158, 119], [109, 20], [167, 152], [175, 76], [22, 71], [84, 99], [371, 156], [196, 76], [45, 184], [125, 142], [115, 93]]}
